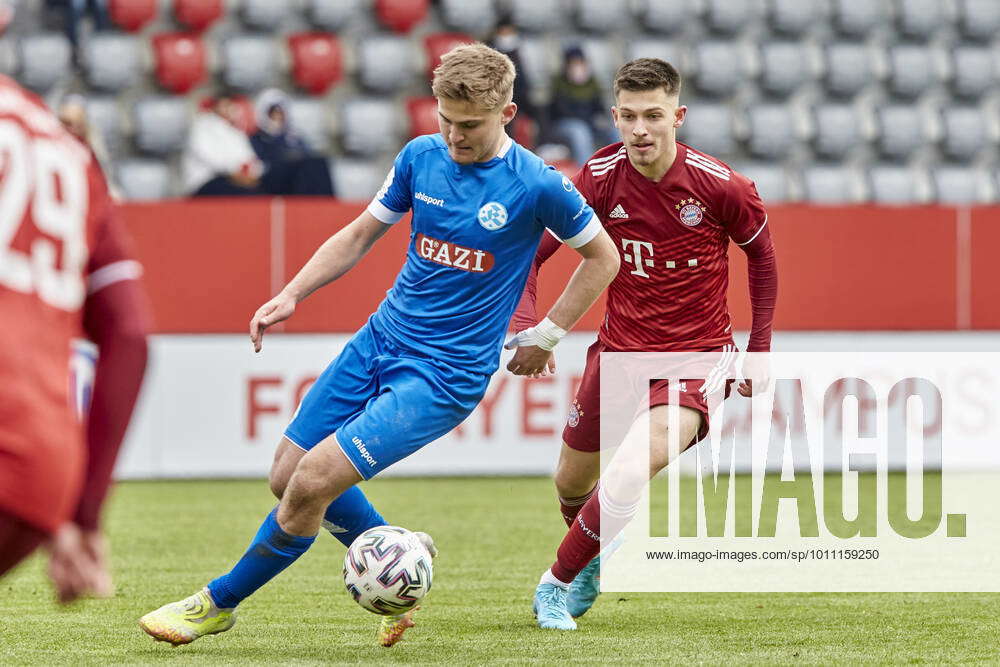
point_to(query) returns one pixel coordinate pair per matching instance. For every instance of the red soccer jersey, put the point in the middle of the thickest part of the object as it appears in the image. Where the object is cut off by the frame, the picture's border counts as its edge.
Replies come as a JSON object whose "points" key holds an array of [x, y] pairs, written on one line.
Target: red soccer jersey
{"points": [[670, 293], [59, 242]]}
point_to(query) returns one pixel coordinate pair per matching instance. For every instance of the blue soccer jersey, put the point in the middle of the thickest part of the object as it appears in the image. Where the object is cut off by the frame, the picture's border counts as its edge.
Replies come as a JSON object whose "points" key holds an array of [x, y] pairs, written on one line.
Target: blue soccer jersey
{"points": [[474, 232]]}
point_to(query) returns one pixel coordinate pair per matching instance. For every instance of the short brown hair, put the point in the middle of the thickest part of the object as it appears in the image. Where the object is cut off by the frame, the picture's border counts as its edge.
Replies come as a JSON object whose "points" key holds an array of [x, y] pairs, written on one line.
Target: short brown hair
{"points": [[475, 73], [648, 74]]}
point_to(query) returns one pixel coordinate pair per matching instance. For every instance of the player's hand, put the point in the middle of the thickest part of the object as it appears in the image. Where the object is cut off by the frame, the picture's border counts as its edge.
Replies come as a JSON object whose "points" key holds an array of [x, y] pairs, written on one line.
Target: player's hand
{"points": [[756, 374], [68, 567], [276, 310], [95, 548], [529, 360]]}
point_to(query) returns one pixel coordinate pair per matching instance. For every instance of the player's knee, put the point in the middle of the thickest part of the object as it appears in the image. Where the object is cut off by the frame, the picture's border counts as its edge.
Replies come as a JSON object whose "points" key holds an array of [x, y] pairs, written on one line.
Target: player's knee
{"points": [[573, 482], [277, 484]]}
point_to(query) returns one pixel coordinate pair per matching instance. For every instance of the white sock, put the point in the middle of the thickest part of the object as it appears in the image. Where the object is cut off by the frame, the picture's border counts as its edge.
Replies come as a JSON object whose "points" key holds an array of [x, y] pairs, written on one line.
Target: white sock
{"points": [[549, 578]]}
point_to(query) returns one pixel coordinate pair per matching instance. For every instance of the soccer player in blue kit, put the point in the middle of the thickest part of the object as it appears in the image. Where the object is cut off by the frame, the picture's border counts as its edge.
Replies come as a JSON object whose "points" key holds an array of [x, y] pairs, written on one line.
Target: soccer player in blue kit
{"points": [[422, 362]]}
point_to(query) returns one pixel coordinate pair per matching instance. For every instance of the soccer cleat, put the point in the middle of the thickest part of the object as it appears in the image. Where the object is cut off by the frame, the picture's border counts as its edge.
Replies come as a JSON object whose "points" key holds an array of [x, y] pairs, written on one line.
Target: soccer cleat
{"points": [[184, 621], [584, 589], [550, 610], [392, 627]]}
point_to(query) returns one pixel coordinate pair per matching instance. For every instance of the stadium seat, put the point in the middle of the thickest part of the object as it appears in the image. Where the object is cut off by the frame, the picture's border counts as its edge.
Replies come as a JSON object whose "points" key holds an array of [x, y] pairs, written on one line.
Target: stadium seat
{"points": [[770, 179], [973, 71], [665, 17], [316, 61], [965, 132], [440, 43], [311, 118], [603, 56], [144, 180], [161, 124], [791, 17], [104, 115], [248, 62], [911, 70], [919, 18], [856, 18], [179, 61], [44, 59], [958, 185], [538, 61], [132, 15], [772, 130], [599, 16], [901, 130], [356, 180], [716, 67], [369, 126], [848, 68], [537, 15], [830, 184], [198, 14], [473, 17], [423, 115], [727, 17], [709, 128], [894, 185], [385, 63], [334, 15], [979, 19], [263, 14], [657, 47], [784, 67], [112, 61], [400, 15], [838, 129]]}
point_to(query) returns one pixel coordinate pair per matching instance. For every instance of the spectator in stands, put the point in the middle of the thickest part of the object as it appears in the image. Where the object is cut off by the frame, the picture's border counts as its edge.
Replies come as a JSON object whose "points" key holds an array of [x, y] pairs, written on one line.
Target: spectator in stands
{"points": [[291, 168], [72, 114], [219, 159], [578, 111], [74, 12], [507, 40]]}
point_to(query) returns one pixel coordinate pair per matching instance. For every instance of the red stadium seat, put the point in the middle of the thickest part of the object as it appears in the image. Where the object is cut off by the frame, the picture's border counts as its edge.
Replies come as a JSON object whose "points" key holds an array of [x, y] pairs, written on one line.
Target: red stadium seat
{"points": [[440, 43], [423, 114], [198, 14], [180, 61], [316, 61], [132, 15], [400, 15], [526, 131], [568, 168]]}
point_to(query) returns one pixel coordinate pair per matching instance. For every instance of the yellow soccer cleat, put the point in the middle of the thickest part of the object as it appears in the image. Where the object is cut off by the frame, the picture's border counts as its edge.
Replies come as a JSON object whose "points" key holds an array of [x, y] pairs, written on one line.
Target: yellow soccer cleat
{"points": [[184, 621], [393, 627]]}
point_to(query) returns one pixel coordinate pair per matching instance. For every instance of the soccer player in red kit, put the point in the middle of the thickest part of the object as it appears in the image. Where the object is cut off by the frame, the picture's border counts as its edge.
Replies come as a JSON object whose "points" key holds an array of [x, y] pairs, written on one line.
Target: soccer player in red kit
{"points": [[65, 272], [671, 211]]}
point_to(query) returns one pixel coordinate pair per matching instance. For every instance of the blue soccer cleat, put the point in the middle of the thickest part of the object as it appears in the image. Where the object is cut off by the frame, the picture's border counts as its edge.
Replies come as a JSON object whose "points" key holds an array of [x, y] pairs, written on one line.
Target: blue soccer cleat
{"points": [[584, 589], [550, 610]]}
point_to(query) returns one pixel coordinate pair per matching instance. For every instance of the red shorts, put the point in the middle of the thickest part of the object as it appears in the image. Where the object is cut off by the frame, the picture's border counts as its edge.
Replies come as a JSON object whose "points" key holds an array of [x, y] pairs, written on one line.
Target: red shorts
{"points": [[17, 539], [583, 427]]}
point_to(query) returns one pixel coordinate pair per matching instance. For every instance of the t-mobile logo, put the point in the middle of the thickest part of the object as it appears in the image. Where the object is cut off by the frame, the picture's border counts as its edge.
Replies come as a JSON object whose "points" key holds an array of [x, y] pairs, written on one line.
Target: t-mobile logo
{"points": [[634, 251]]}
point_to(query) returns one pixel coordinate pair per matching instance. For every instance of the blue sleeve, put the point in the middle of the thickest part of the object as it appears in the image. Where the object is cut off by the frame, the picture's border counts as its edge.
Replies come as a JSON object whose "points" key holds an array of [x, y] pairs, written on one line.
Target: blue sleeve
{"points": [[394, 198], [562, 208]]}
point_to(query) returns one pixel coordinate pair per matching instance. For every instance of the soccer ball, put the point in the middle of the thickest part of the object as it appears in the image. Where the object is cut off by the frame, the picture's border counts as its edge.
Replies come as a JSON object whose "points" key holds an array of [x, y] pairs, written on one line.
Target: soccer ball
{"points": [[387, 570]]}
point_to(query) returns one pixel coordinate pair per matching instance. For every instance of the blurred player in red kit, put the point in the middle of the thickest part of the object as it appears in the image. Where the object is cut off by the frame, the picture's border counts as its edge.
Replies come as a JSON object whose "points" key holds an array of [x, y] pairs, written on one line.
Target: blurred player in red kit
{"points": [[65, 272], [672, 212]]}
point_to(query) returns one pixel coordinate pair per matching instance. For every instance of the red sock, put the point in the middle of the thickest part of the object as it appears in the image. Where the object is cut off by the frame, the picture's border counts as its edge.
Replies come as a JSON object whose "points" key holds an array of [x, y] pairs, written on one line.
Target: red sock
{"points": [[569, 507], [583, 540]]}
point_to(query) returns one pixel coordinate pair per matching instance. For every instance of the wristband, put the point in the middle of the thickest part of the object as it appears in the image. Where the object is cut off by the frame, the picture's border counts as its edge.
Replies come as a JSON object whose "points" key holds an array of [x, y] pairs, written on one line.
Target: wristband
{"points": [[548, 334]]}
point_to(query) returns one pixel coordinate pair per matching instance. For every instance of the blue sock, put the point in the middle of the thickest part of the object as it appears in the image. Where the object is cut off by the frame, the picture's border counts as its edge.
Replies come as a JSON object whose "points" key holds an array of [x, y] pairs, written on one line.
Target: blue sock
{"points": [[350, 515], [270, 552]]}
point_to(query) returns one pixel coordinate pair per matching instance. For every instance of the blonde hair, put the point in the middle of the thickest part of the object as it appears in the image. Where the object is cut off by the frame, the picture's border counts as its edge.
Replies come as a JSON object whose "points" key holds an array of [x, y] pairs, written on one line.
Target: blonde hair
{"points": [[477, 74]]}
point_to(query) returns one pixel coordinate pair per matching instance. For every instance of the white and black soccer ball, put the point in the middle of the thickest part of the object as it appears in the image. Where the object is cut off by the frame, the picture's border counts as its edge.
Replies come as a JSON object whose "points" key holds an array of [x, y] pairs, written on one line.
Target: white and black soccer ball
{"points": [[387, 570]]}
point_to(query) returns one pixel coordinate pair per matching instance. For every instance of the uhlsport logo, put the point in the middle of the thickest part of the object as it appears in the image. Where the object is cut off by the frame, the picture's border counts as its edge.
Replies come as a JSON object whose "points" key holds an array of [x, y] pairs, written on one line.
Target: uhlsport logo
{"points": [[359, 443], [691, 211], [427, 199], [492, 216]]}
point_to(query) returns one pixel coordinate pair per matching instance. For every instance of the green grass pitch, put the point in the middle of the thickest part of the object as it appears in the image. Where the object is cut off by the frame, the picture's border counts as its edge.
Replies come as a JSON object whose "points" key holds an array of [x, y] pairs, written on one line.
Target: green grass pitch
{"points": [[496, 536]]}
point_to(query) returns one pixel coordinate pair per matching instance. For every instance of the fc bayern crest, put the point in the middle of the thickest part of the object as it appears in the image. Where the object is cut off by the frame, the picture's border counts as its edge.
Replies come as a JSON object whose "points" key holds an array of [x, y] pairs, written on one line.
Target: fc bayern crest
{"points": [[691, 211], [574, 415], [492, 216]]}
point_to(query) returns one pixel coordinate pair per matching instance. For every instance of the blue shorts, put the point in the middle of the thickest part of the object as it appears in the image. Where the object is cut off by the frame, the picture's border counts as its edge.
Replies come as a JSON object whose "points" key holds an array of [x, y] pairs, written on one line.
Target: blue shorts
{"points": [[384, 402]]}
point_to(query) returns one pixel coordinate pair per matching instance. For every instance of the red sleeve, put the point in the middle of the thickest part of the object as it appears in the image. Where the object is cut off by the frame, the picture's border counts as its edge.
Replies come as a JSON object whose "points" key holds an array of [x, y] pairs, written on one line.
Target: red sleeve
{"points": [[116, 317], [525, 315], [746, 222]]}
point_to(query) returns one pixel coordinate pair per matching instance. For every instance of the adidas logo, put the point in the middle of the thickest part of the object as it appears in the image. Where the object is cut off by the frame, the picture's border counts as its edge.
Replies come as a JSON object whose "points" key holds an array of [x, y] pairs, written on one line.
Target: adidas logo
{"points": [[618, 212]]}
